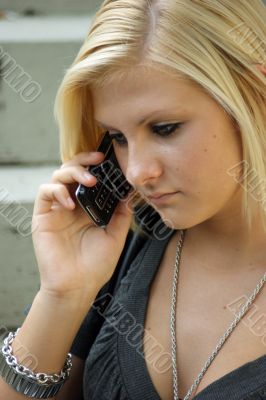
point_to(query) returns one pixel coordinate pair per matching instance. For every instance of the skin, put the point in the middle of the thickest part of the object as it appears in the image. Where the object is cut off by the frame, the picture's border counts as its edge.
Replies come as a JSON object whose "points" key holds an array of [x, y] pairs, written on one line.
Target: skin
{"points": [[193, 160]]}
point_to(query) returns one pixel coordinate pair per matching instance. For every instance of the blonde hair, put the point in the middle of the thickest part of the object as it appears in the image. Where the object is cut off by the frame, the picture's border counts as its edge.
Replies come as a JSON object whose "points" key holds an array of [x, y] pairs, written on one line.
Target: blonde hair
{"points": [[214, 43]]}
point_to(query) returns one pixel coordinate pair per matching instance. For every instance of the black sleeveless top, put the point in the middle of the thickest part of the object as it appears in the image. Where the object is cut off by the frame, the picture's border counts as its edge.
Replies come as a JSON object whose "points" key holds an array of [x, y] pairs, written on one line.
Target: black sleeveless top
{"points": [[115, 368]]}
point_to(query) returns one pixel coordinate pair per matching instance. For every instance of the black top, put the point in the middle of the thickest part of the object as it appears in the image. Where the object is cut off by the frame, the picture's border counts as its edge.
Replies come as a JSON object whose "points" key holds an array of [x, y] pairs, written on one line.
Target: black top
{"points": [[115, 367]]}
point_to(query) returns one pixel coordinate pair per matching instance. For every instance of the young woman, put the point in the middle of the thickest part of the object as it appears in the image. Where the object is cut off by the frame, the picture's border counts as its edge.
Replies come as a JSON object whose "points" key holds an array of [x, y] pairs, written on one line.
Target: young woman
{"points": [[180, 87]]}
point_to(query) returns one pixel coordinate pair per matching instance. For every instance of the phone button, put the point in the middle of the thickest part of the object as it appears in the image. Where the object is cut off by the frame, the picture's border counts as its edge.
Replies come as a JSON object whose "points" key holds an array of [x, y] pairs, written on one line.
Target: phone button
{"points": [[81, 190], [92, 214]]}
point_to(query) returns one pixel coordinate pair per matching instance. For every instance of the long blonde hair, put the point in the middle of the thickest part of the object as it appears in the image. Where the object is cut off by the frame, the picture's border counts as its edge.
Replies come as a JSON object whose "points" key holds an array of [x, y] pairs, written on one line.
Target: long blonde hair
{"points": [[215, 43]]}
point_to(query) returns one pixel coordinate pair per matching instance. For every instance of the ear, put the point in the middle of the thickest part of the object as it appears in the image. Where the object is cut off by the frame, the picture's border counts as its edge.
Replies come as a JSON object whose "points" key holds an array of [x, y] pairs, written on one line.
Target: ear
{"points": [[261, 68]]}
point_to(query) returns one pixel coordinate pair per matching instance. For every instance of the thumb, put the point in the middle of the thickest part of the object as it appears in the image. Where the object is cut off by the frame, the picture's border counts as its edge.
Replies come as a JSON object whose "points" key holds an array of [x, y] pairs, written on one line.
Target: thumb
{"points": [[121, 219]]}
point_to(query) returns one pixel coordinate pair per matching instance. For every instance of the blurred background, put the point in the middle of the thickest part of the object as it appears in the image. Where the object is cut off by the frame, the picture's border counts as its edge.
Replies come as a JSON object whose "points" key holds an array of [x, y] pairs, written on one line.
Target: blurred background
{"points": [[38, 41]]}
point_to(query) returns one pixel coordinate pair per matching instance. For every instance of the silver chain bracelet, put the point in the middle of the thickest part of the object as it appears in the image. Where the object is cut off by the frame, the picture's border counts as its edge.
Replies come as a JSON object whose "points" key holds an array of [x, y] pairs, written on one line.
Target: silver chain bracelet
{"points": [[24, 380], [40, 377]]}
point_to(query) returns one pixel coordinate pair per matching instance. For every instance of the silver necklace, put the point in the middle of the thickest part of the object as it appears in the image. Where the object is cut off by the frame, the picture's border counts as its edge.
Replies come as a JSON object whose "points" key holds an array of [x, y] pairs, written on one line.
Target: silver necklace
{"points": [[229, 330]]}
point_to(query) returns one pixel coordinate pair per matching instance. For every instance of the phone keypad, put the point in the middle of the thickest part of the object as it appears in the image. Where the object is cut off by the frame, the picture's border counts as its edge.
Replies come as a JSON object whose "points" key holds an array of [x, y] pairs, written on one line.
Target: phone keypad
{"points": [[101, 199]]}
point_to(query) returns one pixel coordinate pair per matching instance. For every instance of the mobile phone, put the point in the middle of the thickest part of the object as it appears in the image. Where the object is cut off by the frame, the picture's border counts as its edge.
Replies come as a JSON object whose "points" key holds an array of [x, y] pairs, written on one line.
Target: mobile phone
{"points": [[100, 201]]}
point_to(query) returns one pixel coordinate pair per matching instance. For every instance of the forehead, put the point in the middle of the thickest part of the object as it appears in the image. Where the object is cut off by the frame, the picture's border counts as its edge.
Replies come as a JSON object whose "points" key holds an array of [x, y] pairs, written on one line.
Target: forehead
{"points": [[142, 88]]}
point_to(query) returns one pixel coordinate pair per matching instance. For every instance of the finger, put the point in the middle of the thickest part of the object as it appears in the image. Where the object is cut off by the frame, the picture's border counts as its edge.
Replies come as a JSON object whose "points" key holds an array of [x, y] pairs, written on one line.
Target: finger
{"points": [[73, 174], [48, 194], [84, 158]]}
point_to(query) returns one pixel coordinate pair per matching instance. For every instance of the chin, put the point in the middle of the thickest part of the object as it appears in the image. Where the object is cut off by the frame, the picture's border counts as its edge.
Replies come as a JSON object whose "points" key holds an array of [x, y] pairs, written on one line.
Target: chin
{"points": [[176, 221]]}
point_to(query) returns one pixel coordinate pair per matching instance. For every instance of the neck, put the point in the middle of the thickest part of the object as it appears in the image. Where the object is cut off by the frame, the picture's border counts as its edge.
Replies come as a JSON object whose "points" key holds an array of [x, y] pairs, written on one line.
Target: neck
{"points": [[225, 242]]}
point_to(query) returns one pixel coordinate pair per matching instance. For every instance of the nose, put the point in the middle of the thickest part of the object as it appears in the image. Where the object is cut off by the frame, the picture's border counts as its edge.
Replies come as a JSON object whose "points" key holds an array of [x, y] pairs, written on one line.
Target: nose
{"points": [[143, 167]]}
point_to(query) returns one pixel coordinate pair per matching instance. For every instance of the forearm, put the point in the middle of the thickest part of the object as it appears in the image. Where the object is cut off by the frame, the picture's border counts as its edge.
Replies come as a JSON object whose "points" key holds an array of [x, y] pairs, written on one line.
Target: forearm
{"points": [[47, 333]]}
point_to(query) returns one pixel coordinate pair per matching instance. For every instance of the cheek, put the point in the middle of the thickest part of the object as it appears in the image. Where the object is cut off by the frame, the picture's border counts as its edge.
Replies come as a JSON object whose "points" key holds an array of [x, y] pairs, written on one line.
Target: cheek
{"points": [[121, 156], [201, 166]]}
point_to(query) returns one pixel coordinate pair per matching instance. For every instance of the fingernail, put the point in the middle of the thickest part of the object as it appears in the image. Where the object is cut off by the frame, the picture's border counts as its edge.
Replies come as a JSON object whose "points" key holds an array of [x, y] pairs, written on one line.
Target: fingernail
{"points": [[87, 175]]}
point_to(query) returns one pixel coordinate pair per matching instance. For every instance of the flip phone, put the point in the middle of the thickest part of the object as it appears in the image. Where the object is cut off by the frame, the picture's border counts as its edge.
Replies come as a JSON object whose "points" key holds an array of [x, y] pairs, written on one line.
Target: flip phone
{"points": [[100, 201]]}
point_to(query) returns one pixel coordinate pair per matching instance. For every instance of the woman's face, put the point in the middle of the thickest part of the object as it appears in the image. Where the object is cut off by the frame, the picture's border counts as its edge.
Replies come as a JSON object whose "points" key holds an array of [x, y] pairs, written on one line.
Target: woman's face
{"points": [[185, 145]]}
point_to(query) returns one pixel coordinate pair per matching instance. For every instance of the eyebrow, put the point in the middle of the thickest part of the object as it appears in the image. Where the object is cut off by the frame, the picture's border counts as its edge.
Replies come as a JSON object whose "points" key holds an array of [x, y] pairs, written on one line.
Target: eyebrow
{"points": [[140, 122]]}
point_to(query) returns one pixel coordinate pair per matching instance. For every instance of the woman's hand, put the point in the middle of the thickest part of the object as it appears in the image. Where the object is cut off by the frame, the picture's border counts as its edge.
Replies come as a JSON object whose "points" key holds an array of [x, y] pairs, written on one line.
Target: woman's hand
{"points": [[74, 255]]}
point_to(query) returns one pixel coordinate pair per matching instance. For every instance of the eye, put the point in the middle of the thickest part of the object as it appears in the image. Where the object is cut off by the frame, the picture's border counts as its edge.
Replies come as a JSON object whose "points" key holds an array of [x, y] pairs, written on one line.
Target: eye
{"points": [[159, 130], [118, 138], [165, 130]]}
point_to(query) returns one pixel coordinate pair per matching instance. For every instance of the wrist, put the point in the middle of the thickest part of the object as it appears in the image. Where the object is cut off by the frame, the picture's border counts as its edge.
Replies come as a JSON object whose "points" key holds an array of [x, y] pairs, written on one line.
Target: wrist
{"points": [[71, 299]]}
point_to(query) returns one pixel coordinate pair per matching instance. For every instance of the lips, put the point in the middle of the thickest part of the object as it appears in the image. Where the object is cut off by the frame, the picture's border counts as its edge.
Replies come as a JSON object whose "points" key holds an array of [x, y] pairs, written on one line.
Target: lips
{"points": [[158, 195], [160, 198]]}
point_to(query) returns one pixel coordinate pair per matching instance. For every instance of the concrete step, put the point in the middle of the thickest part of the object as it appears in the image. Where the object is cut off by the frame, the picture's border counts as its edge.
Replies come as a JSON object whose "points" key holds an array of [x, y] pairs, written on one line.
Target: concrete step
{"points": [[53, 7], [34, 54], [19, 274]]}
